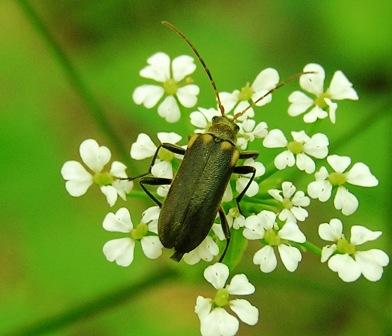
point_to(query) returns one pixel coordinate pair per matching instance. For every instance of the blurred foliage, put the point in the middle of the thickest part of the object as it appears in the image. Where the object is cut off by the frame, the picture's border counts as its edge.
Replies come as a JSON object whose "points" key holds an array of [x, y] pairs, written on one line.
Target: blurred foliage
{"points": [[50, 243]]}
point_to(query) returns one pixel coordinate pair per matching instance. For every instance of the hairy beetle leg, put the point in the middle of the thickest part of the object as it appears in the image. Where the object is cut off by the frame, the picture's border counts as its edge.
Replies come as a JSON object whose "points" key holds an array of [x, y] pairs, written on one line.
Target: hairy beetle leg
{"points": [[148, 180], [244, 170], [226, 231]]}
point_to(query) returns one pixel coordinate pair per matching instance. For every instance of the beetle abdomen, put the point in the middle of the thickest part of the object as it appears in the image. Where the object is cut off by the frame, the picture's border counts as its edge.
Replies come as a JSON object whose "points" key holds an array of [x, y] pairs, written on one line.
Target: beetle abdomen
{"points": [[191, 205]]}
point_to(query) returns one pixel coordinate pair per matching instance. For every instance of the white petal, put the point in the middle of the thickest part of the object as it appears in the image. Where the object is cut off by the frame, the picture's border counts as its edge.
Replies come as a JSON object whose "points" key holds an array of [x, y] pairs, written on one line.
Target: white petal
{"points": [[217, 275], [219, 323], [240, 285], [118, 169], [321, 174], [341, 87], [346, 267], [290, 256], [327, 251], [288, 189], [169, 109], [267, 79], [246, 312], [151, 214], [267, 219], [203, 307], [360, 235], [253, 228], [317, 146], [371, 263], [300, 136], [110, 193], [320, 190], [339, 163], [299, 213], [228, 195], [275, 139], [228, 100], [331, 231], [158, 68], [345, 201], [119, 222], [305, 163], [198, 120], [162, 169], [143, 147], [93, 155], [187, 95], [315, 113], [360, 175], [300, 199], [284, 159], [266, 258], [250, 113], [182, 66], [152, 246], [291, 231], [260, 131], [313, 82], [300, 102], [252, 190], [147, 95], [120, 251], [331, 109], [79, 180], [169, 137], [163, 190]]}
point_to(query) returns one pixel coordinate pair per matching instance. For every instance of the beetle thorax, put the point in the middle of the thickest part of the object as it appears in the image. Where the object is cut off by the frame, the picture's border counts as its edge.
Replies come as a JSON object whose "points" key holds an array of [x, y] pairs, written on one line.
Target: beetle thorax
{"points": [[224, 128]]}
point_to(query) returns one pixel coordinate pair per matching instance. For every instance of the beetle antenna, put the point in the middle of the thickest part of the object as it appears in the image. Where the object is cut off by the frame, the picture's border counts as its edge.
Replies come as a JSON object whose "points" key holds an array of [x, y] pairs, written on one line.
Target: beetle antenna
{"points": [[179, 33], [279, 85]]}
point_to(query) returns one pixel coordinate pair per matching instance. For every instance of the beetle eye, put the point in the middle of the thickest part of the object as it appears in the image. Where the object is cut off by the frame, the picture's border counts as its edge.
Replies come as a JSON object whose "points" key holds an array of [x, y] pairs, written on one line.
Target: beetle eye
{"points": [[215, 118]]}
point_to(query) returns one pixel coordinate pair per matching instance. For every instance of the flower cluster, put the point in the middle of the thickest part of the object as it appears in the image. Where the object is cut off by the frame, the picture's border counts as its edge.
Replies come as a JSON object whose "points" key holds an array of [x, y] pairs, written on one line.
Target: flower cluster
{"points": [[274, 211]]}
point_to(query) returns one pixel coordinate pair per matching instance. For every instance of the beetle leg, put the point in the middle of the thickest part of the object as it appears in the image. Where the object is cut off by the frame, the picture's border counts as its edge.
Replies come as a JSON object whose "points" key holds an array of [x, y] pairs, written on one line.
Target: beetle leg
{"points": [[153, 181], [244, 170], [249, 155], [170, 147], [226, 231]]}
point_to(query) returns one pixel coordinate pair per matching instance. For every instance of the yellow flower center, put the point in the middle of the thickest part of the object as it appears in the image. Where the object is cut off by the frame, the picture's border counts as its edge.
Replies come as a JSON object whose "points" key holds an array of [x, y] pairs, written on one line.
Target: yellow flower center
{"points": [[337, 179], [103, 178], [170, 87], [165, 155], [295, 147], [287, 204], [320, 101], [222, 297], [246, 93], [139, 231], [343, 246], [272, 238]]}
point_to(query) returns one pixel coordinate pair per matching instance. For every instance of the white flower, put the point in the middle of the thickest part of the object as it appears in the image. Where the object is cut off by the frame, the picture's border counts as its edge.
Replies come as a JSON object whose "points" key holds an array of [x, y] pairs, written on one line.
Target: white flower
{"points": [[121, 250], [266, 80], [234, 219], [359, 175], [243, 180], [345, 258], [292, 202], [316, 108], [214, 319], [249, 131], [207, 250], [299, 151], [95, 157], [202, 118], [175, 85], [264, 226]]}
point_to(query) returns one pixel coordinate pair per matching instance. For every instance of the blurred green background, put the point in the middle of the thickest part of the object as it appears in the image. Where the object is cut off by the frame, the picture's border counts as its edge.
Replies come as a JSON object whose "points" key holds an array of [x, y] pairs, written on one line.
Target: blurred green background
{"points": [[50, 243]]}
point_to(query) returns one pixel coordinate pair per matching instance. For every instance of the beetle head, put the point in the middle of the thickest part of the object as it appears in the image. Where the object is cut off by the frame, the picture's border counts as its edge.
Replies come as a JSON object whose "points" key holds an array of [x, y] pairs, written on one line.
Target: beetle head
{"points": [[224, 128]]}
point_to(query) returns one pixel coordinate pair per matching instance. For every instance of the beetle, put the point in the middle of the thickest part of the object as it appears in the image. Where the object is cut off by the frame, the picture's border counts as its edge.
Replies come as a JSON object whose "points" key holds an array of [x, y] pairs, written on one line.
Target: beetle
{"points": [[195, 194]]}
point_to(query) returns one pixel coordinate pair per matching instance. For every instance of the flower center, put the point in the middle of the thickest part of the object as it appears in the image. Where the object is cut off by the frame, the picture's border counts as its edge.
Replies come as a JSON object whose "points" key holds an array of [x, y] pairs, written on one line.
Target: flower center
{"points": [[287, 204], [343, 246], [222, 297], [165, 155], [337, 178], [295, 147], [246, 93], [170, 87], [103, 179], [320, 101], [139, 232], [234, 213], [272, 238]]}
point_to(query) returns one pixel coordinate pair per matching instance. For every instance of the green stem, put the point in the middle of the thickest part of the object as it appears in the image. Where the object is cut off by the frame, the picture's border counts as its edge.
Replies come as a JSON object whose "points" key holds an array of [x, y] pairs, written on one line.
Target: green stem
{"points": [[75, 79], [95, 306], [308, 246]]}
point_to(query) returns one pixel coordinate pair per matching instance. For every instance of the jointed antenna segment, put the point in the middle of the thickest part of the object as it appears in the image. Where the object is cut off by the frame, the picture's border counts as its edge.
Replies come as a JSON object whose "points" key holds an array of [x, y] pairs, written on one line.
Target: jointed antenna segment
{"points": [[280, 84], [173, 28]]}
